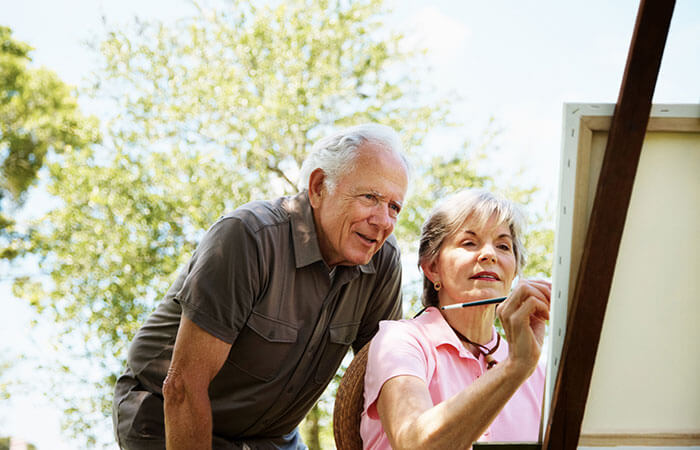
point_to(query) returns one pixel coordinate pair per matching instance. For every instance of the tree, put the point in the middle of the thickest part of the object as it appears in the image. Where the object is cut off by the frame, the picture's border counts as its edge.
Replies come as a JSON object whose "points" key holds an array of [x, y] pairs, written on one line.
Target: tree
{"points": [[4, 384], [6, 444], [209, 113], [38, 114]]}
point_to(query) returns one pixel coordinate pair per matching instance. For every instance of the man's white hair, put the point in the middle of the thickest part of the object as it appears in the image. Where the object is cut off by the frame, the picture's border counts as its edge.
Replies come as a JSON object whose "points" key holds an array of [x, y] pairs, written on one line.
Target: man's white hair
{"points": [[335, 154]]}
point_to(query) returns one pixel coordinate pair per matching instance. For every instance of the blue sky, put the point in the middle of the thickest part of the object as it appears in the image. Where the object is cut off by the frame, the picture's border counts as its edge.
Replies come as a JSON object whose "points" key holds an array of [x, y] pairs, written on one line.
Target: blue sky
{"points": [[513, 60]]}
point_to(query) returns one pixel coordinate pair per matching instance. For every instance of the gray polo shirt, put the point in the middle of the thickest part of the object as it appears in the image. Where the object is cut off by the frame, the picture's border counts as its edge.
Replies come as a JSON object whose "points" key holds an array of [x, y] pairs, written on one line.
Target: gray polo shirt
{"points": [[257, 281]]}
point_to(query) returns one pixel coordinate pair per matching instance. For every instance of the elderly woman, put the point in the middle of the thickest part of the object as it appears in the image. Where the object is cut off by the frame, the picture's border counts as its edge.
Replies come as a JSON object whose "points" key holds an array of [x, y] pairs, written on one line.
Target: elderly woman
{"points": [[446, 378]]}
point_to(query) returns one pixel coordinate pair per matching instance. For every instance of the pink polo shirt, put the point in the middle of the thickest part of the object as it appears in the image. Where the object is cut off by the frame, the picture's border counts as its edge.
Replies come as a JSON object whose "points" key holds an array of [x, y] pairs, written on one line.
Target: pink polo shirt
{"points": [[426, 347]]}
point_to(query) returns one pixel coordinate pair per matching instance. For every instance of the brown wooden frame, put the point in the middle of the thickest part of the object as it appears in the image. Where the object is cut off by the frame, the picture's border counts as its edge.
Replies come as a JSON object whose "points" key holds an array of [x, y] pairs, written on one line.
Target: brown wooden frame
{"points": [[606, 224]]}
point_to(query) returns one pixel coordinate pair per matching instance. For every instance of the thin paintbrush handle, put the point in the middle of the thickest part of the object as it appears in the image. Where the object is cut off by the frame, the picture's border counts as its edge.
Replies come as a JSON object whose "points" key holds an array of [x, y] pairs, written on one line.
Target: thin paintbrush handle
{"points": [[476, 303]]}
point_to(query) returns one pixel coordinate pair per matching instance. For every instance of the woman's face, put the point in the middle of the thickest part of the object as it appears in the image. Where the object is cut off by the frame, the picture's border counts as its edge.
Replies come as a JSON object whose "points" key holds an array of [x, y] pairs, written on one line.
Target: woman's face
{"points": [[476, 263]]}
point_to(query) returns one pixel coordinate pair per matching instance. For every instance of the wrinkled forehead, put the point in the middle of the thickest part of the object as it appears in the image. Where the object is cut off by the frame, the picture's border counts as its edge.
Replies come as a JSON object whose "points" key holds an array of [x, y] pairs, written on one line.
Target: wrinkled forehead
{"points": [[380, 170]]}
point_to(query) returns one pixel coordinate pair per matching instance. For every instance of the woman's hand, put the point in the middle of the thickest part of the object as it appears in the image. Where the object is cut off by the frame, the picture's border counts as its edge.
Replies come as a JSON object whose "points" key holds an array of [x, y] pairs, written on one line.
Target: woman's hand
{"points": [[523, 316]]}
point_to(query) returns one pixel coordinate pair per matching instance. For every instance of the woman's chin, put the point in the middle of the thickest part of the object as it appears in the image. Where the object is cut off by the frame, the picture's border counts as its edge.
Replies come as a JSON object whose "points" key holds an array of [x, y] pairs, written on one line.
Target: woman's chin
{"points": [[486, 293]]}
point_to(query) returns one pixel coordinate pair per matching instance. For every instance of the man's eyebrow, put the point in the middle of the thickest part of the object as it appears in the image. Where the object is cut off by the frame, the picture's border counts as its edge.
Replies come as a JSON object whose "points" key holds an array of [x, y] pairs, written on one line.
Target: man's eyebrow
{"points": [[377, 194], [382, 197]]}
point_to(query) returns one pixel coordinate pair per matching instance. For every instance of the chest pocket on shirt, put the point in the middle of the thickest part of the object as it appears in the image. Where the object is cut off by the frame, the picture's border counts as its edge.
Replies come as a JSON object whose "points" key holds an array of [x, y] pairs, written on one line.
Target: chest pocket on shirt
{"points": [[262, 346], [339, 340]]}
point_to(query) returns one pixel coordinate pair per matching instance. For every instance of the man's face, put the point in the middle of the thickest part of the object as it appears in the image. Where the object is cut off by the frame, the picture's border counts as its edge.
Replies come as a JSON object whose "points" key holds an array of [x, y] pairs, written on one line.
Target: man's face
{"points": [[354, 220]]}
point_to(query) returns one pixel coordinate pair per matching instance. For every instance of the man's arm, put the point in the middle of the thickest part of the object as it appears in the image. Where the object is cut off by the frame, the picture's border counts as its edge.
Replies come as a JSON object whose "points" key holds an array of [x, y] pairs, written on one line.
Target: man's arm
{"points": [[197, 358]]}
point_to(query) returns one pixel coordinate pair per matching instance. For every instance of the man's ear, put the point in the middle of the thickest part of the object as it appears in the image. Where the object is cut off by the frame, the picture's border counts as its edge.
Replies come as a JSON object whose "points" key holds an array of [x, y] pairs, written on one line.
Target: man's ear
{"points": [[430, 270], [317, 187]]}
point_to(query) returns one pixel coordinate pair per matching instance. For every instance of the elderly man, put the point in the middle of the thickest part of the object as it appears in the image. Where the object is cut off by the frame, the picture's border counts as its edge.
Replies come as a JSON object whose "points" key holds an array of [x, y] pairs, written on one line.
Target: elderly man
{"points": [[256, 324]]}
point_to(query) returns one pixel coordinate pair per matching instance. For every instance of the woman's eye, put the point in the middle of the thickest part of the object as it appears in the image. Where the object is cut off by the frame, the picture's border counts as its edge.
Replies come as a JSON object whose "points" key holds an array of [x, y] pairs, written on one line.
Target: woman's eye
{"points": [[504, 247], [468, 244]]}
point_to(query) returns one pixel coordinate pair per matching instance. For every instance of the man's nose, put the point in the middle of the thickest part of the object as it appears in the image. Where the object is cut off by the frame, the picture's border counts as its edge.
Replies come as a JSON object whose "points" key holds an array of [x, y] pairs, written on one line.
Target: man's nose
{"points": [[381, 217]]}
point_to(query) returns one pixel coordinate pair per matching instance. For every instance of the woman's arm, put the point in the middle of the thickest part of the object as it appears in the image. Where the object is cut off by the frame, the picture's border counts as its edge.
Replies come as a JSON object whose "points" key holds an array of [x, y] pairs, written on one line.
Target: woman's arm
{"points": [[412, 421]]}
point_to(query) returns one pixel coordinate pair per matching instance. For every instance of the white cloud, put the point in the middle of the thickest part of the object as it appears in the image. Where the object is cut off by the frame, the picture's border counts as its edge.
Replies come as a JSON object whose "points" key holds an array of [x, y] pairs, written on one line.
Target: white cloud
{"points": [[443, 36]]}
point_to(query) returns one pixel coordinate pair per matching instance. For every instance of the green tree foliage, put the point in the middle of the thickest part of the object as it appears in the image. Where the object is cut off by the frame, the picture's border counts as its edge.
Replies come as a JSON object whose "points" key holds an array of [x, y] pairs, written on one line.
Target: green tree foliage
{"points": [[205, 115], [4, 383], [6, 441], [38, 114], [539, 243]]}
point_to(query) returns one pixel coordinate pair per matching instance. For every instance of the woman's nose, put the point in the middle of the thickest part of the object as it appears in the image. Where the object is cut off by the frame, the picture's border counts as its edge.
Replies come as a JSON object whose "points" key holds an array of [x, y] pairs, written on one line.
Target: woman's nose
{"points": [[487, 254]]}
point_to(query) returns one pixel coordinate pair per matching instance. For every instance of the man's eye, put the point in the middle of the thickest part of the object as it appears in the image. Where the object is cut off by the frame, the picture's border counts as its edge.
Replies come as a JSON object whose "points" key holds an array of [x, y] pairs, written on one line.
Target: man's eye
{"points": [[396, 208], [368, 197]]}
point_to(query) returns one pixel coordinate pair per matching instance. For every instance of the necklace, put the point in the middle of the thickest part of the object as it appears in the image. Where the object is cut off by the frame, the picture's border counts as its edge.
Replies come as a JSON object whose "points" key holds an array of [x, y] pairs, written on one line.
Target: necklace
{"points": [[484, 350]]}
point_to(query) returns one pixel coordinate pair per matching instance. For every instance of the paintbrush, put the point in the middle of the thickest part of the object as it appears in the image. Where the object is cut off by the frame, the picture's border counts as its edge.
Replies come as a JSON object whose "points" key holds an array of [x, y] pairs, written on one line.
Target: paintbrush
{"points": [[488, 301]]}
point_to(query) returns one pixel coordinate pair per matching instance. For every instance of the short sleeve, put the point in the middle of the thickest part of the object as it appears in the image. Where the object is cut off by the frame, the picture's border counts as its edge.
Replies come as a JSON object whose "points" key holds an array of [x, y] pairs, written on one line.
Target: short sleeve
{"points": [[223, 279], [394, 351], [386, 300]]}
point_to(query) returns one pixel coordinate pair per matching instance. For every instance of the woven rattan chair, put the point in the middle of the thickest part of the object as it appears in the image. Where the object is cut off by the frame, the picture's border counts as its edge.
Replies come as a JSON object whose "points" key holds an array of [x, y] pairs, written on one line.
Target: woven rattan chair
{"points": [[349, 402]]}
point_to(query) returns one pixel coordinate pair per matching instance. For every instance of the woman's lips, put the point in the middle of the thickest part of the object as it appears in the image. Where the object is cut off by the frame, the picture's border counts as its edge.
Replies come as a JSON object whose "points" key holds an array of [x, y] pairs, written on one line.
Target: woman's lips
{"points": [[487, 276]]}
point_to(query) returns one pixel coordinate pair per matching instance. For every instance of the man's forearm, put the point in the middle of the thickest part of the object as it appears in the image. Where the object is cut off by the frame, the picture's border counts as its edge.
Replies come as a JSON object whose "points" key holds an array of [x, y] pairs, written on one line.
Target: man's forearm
{"points": [[188, 420], [197, 358]]}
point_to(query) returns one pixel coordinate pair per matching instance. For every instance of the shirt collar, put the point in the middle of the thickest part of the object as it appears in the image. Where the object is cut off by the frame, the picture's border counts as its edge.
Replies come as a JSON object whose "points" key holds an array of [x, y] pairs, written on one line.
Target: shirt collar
{"points": [[304, 238], [440, 333]]}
